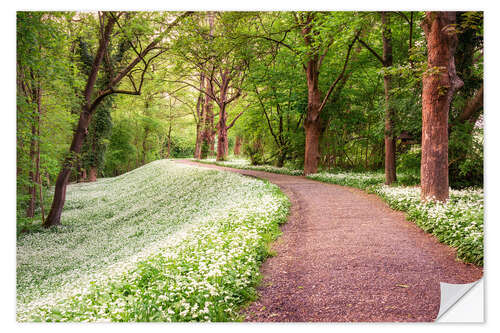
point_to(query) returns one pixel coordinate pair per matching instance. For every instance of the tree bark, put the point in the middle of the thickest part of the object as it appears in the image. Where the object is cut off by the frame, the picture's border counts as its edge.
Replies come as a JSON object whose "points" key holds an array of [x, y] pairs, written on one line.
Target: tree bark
{"points": [[222, 135], [440, 83], [389, 138], [54, 217], [312, 122]]}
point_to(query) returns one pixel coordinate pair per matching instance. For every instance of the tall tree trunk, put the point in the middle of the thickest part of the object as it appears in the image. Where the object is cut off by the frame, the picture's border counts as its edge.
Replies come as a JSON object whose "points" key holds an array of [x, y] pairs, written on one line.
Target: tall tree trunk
{"points": [[37, 161], [200, 112], [30, 210], [312, 122], [207, 122], [222, 134], [389, 138], [34, 153], [440, 83]]}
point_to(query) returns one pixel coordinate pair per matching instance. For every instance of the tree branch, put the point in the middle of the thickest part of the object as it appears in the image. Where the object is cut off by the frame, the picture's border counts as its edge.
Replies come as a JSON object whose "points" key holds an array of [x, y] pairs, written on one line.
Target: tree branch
{"points": [[323, 103], [371, 50], [236, 118]]}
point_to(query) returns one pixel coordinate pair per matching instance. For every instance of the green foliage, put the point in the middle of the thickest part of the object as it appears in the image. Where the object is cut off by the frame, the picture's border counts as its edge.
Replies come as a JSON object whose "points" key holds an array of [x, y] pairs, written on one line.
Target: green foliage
{"points": [[466, 156], [120, 149], [96, 142], [409, 161]]}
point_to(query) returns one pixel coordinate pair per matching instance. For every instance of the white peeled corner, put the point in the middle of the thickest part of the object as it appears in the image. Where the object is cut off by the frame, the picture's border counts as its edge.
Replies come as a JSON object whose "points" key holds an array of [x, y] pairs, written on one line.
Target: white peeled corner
{"points": [[462, 303]]}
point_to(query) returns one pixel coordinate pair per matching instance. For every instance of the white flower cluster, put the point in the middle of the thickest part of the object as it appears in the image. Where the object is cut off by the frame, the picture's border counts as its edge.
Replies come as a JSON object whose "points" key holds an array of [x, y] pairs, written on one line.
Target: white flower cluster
{"points": [[165, 242], [457, 222], [245, 165]]}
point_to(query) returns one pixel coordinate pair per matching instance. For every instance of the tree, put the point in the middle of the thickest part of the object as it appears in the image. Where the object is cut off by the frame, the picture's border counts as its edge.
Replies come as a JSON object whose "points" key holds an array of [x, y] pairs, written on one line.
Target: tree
{"points": [[386, 60], [315, 55], [440, 82], [224, 68], [42, 68], [93, 98]]}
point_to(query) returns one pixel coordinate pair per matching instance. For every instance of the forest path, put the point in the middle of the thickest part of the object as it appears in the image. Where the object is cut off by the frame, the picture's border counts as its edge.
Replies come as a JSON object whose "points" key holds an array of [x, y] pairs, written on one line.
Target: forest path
{"points": [[346, 256]]}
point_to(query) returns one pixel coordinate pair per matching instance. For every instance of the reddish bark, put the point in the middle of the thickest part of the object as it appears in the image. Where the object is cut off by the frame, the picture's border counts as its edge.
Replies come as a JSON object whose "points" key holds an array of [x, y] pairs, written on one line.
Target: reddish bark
{"points": [[316, 103], [222, 135], [440, 83]]}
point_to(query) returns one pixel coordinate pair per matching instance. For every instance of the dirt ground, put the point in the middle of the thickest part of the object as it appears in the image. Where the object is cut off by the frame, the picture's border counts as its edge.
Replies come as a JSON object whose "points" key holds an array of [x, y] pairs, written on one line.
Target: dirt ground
{"points": [[345, 256]]}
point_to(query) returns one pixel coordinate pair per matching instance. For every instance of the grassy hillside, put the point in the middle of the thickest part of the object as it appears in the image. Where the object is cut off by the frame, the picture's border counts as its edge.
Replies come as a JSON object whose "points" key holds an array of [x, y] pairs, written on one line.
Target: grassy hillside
{"points": [[152, 244]]}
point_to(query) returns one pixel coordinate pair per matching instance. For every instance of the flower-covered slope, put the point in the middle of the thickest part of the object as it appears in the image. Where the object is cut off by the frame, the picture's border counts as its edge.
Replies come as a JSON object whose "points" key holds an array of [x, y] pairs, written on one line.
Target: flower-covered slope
{"points": [[163, 242]]}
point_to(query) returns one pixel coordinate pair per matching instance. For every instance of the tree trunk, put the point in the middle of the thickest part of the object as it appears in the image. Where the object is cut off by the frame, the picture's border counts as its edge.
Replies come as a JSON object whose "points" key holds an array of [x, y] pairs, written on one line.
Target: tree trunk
{"points": [[281, 159], [83, 175], [312, 122], [144, 146], [389, 139], [92, 174], [35, 154], [207, 123], [222, 135], [199, 141], [440, 83], [30, 210], [237, 146], [169, 138], [200, 112], [54, 217]]}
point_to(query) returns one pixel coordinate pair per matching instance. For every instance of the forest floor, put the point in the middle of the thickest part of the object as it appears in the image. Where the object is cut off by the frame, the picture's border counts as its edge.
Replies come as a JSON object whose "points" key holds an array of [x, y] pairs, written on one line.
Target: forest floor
{"points": [[344, 255]]}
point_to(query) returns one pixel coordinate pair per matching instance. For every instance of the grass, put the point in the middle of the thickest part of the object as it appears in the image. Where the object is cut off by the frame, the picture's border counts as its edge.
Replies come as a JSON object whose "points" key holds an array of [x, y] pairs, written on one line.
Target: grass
{"points": [[160, 243], [458, 222]]}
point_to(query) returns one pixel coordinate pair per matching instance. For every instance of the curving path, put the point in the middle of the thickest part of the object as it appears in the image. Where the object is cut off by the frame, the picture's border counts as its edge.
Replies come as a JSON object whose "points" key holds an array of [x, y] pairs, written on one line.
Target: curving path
{"points": [[346, 256]]}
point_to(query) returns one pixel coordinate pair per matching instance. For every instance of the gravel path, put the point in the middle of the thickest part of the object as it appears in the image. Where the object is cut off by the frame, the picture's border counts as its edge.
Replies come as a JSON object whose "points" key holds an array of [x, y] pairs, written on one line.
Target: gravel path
{"points": [[346, 256]]}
